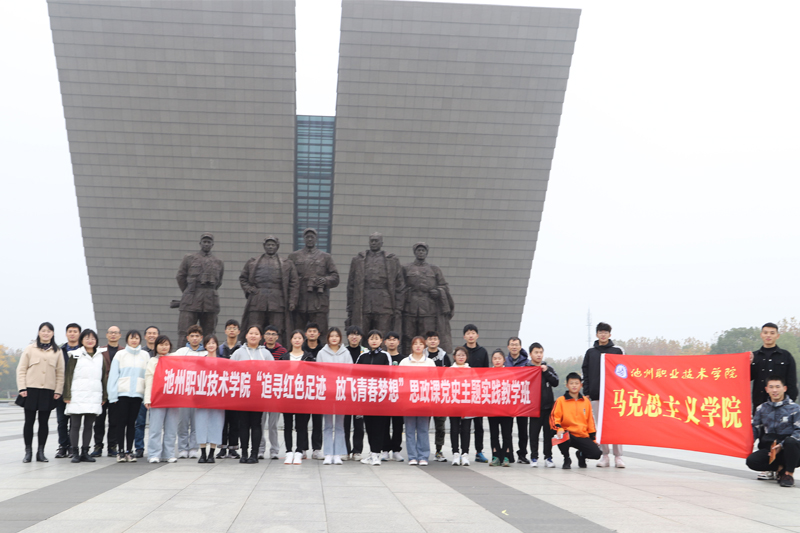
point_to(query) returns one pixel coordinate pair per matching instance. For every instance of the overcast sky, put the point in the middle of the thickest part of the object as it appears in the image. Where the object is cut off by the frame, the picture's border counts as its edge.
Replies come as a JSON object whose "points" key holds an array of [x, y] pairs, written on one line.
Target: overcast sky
{"points": [[672, 204]]}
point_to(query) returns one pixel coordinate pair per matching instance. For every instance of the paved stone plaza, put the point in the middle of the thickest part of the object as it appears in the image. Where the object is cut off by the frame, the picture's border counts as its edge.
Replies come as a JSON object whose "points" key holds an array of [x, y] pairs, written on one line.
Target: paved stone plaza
{"points": [[661, 490]]}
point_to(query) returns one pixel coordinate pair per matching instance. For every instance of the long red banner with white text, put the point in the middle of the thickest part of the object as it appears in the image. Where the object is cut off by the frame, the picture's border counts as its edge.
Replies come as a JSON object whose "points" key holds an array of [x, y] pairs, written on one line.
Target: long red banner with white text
{"points": [[372, 390], [692, 402]]}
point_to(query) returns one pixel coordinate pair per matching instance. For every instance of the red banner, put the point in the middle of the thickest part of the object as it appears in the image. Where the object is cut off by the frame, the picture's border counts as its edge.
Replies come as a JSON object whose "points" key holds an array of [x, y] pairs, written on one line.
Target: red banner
{"points": [[691, 402], [305, 387]]}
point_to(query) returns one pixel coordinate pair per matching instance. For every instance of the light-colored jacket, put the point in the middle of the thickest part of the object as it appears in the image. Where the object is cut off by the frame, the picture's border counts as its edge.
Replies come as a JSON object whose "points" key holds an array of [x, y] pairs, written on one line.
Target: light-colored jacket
{"points": [[41, 369], [245, 353], [342, 355], [149, 372], [187, 350], [410, 361], [85, 385], [126, 376]]}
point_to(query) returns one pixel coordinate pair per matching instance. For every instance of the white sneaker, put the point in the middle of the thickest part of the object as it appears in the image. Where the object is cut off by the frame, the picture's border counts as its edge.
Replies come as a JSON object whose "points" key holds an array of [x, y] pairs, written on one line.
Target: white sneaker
{"points": [[548, 463], [172, 460], [534, 463], [356, 457], [261, 456], [618, 462], [289, 458], [376, 459], [603, 462], [345, 457], [194, 454], [423, 462], [274, 456], [298, 458], [328, 460], [768, 475], [412, 462], [464, 459], [384, 456], [457, 459], [154, 460], [183, 454], [367, 459], [337, 459], [317, 454], [397, 457]]}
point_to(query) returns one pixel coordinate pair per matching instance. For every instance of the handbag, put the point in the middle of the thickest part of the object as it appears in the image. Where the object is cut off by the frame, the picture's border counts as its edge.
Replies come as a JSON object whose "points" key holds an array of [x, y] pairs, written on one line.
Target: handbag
{"points": [[20, 400]]}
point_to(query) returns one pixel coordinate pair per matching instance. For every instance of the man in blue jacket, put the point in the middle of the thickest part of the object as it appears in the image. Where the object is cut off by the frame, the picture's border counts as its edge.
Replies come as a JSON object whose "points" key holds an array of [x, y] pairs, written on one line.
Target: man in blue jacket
{"points": [[517, 356]]}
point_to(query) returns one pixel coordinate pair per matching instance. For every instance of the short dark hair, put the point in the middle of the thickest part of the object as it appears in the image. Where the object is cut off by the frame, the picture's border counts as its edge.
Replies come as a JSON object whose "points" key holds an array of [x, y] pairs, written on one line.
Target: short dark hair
{"points": [[471, 327], [514, 339], [354, 330], [374, 332], [152, 327], [73, 325], [271, 328], [394, 335], [85, 333], [777, 377], [334, 330], [131, 333], [232, 322], [209, 337], [429, 334], [535, 345], [194, 329], [312, 325], [460, 349], [771, 325], [602, 326], [161, 339], [574, 375]]}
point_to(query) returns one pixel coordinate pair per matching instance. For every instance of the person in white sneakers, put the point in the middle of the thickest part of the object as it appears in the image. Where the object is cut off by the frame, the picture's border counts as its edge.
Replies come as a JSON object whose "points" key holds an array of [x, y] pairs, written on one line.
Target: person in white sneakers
{"points": [[187, 430], [126, 386], [542, 423], [460, 427], [418, 439], [375, 425], [333, 445], [209, 421], [163, 421], [298, 421]]}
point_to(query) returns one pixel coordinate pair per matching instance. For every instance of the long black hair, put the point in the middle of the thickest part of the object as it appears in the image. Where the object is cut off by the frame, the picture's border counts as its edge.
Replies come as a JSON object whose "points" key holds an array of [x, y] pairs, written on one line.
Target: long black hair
{"points": [[53, 343]]}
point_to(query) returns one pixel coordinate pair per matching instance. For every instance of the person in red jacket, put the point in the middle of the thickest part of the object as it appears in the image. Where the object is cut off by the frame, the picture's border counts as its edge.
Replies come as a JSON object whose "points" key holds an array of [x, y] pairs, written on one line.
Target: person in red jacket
{"points": [[573, 413]]}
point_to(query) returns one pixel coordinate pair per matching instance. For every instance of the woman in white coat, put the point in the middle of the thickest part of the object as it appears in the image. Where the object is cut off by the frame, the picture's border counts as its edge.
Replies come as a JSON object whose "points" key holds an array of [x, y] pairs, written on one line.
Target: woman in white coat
{"points": [[85, 392]]}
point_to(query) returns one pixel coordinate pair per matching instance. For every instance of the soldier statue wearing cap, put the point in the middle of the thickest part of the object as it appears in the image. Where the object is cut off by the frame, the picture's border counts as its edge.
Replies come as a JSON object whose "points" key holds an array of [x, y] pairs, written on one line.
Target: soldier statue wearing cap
{"points": [[199, 277], [427, 305], [270, 285], [375, 289], [318, 275]]}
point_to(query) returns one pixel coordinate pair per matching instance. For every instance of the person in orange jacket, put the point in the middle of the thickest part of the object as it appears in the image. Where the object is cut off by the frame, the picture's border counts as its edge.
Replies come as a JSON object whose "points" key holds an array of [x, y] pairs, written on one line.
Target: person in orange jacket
{"points": [[573, 413]]}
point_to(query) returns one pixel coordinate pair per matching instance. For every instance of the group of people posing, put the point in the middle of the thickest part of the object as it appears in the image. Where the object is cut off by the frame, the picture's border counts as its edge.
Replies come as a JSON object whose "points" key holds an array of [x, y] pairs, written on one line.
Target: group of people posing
{"points": [[87, 384]]}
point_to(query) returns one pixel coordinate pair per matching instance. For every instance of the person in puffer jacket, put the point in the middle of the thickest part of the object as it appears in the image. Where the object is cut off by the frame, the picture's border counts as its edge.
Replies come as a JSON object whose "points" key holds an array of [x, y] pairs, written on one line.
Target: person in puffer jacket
{"points": [[85, 392], [126, 385], [776, 425], [333, 445]]}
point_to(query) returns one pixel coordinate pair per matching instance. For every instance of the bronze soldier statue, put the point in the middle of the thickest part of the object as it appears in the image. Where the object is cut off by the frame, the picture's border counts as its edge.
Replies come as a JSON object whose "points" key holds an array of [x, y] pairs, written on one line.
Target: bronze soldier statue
{"points": [[199, 277], [318, 275], [427, 305], [270, 286], [375, 289]]}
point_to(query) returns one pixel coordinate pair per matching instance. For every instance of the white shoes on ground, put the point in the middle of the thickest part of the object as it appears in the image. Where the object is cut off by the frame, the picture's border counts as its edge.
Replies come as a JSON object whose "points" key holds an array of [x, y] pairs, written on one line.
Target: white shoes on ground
{"points": [[154, 460], [328, 460], [289, 458], [464, 459], [397, 457], [194, 454], [376, 459], [423, 462], [337, 459], [298, 458], [317, 454], [183, 454], [457, 459], [534, 463], [356, 457], [384, 456], [172, 460], [548, 463], [603, 462], [618, 462], [412, 462]]}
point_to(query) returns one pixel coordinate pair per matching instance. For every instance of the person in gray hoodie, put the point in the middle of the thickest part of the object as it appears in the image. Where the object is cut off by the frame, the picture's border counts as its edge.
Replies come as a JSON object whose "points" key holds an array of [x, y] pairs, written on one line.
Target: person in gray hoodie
{"points": [[333, 444], [250, 421]]}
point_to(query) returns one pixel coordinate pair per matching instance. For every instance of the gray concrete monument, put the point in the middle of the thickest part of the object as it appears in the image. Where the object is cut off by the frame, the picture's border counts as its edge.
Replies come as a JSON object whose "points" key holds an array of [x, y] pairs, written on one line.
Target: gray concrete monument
{"points": [[199, 277], [318, 275]]}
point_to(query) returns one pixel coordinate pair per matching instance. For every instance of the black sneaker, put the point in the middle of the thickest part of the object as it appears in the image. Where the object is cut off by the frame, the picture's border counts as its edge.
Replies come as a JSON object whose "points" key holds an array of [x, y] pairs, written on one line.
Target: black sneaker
{"points": [[523, 461], [112, 451], [233, 454], [581, 460], [222, 453], [139, 454], [61, 453], [567, 463], [787, 480], [97, 452]]}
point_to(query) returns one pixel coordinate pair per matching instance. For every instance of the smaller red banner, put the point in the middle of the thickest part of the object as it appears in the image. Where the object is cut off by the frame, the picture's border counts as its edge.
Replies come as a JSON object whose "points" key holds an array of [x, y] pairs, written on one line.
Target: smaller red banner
{"points": [[693, 402], [372, 390]]}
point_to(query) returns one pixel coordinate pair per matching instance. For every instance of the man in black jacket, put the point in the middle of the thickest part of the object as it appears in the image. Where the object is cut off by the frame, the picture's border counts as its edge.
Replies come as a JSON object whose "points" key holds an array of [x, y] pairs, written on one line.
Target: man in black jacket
{"points": [[73, 333], [478, 358], [549, 380], [770, 360], [591, 383]]}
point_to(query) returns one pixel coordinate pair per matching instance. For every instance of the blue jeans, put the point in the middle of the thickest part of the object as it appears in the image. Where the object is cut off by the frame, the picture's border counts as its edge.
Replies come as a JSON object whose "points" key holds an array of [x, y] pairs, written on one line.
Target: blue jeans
{"points": [[333, 435], [418, 441], [163, 433], [138, 435]]}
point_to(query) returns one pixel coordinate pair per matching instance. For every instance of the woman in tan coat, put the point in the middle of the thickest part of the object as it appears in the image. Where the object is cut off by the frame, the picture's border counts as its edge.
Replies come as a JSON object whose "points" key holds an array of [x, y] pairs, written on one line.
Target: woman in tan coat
{"points": [[40, 380]]}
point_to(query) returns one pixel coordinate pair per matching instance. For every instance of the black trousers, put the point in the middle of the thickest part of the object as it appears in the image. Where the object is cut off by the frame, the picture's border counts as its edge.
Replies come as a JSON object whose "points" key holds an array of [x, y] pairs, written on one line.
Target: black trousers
{"points": [[502, 425], [75, 429], [459, 429], [393, 438], [44, 426], [478, 422], [788, 457], [126, 411], [522, 436], [63, 424], [585, 446], [438, 423], [299, 422], [100, 426], [358, 434], [250, 429], [316, 432], [542, 424], [376, 431], [230, 430]]}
